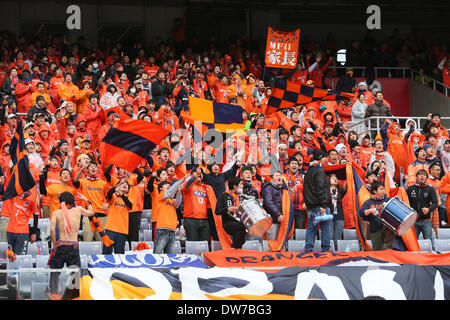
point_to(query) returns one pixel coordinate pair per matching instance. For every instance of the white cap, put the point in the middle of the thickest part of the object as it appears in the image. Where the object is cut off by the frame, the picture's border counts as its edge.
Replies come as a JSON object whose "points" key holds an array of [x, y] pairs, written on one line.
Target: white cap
{"points": [[12, 115], [362, 83], [309, 130], [27, 141]]}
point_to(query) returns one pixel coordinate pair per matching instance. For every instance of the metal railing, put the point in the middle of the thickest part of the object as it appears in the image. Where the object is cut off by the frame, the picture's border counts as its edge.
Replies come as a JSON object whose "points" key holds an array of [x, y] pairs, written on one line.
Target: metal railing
{"points": [[395, 72], [445, 121]]}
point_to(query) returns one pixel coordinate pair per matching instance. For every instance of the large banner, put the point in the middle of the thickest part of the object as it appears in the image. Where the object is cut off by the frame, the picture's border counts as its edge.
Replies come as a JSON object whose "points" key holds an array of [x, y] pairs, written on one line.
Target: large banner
{"points": [[240, 258], [141, 259], [409, 282], [282, 48]]}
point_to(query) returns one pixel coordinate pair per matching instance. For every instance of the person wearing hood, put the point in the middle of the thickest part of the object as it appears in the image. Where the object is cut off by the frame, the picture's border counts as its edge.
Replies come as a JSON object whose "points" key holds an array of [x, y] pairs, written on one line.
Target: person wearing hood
{"points": [[109, 99], [395, 143], [94, 116], [39, 108], [358, 111], [23, 91], [84, 93], [362, 88], [68, 91], [344, 110], [45, 139]]}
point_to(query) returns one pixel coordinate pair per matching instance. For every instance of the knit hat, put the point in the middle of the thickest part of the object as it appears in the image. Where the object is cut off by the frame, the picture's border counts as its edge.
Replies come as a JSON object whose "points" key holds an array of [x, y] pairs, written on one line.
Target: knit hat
{"points": [[339, 147]]}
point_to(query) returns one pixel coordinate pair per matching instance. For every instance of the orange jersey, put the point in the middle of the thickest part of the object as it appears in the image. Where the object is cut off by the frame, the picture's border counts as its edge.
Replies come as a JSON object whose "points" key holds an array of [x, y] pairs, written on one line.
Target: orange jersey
{"points": [[167, 216], [22, 211], [117, 216], [53, 193], [95, 191], [195, 201]]}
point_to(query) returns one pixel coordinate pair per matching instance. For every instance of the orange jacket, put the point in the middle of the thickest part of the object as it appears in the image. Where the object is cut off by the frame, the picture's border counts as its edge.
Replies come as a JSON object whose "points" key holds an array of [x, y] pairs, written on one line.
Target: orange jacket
{"points": [[68, 92], [23, 95], [83, 99]]}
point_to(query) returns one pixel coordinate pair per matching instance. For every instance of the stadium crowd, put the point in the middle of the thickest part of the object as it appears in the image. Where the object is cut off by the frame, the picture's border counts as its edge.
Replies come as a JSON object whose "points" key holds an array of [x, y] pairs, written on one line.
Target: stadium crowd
{"points": [[68, 97]]}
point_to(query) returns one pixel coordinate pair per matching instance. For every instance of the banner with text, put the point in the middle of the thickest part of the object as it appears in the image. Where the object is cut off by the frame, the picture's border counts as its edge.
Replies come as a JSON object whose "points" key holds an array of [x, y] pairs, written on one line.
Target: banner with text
{"points": [[282, 48], [409, 282]]}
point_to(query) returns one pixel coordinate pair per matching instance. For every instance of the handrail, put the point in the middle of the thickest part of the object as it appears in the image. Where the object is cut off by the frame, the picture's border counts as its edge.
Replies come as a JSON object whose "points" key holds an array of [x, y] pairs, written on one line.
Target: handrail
{"points": [[404, 71], [369, 128]]}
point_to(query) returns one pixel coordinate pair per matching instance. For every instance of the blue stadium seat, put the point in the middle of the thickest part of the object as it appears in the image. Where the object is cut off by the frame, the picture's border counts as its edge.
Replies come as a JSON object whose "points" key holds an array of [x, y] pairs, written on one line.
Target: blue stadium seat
{"points": [[215, 245], [196, 247], [91, 247], [148, 235], [347, 245], [318, 246], [443, 233], [175, 247], [252, 245], [425, 245], [296, 245], [350, 234], [300, 234], [442, 245], [36, 248], [25, 278]]}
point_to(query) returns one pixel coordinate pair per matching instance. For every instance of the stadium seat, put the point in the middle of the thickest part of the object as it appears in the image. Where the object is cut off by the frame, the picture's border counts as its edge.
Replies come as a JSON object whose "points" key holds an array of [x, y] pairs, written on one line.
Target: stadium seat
{"points": [[350, 234], [258, 238], [41, 263], [147, 214], [347, 245], [443, 233], [144, 225], [215, 245], [196, 247], [25, 278], [141, 236], [300, 234], [442, 245], [318, 246], [265, 245], [90, 247], [127, 246], [83, 261], [175, 247], [425, 245], [296, 245], [39, 291], [252, 245], [36, 248], [148, 235], [3, 248]]}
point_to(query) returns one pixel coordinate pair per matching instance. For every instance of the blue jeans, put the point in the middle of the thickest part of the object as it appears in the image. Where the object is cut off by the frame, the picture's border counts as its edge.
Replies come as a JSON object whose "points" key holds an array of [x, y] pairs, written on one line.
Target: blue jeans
{"points": [[164, 238], [119, 243], [425, 228], [338, 229], [17, 241], [325, 231]]}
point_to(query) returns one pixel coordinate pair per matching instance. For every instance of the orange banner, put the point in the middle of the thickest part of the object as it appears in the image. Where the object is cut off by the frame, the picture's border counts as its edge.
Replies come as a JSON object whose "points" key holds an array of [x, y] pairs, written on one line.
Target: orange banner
{"points": [[242, 258], [282, 48]]}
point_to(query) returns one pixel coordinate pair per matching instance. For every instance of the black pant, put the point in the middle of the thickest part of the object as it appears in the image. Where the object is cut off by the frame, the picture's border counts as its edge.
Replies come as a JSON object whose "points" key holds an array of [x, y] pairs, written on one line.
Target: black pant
{"points": [[68, 254], [237, 232], [134, 222]]}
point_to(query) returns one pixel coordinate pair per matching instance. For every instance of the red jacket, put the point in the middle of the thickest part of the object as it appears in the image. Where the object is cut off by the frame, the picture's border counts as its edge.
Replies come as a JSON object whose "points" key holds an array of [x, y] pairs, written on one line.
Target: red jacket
{"points": [[23, 95]]}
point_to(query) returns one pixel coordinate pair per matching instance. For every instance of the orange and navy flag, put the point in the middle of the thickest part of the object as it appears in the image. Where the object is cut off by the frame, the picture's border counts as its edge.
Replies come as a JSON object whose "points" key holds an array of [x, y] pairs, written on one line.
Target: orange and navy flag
{"points": [[129, 142], [287, 94], [222, 117], [21, 178]]}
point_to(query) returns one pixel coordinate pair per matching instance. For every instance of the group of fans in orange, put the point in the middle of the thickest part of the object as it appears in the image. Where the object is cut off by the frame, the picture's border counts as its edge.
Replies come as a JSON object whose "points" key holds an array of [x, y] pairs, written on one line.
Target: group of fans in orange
{"points": [[68, 102]]}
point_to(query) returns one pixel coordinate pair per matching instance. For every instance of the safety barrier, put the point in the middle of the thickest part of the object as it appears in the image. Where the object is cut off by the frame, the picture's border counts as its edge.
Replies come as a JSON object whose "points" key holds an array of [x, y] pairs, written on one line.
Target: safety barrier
{"points": [[394, 72]]}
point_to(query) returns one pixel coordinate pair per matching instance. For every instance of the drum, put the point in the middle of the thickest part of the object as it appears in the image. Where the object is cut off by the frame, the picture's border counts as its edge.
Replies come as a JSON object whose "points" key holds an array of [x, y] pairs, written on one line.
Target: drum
{"points": [[398, 216], [255, 219]]}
